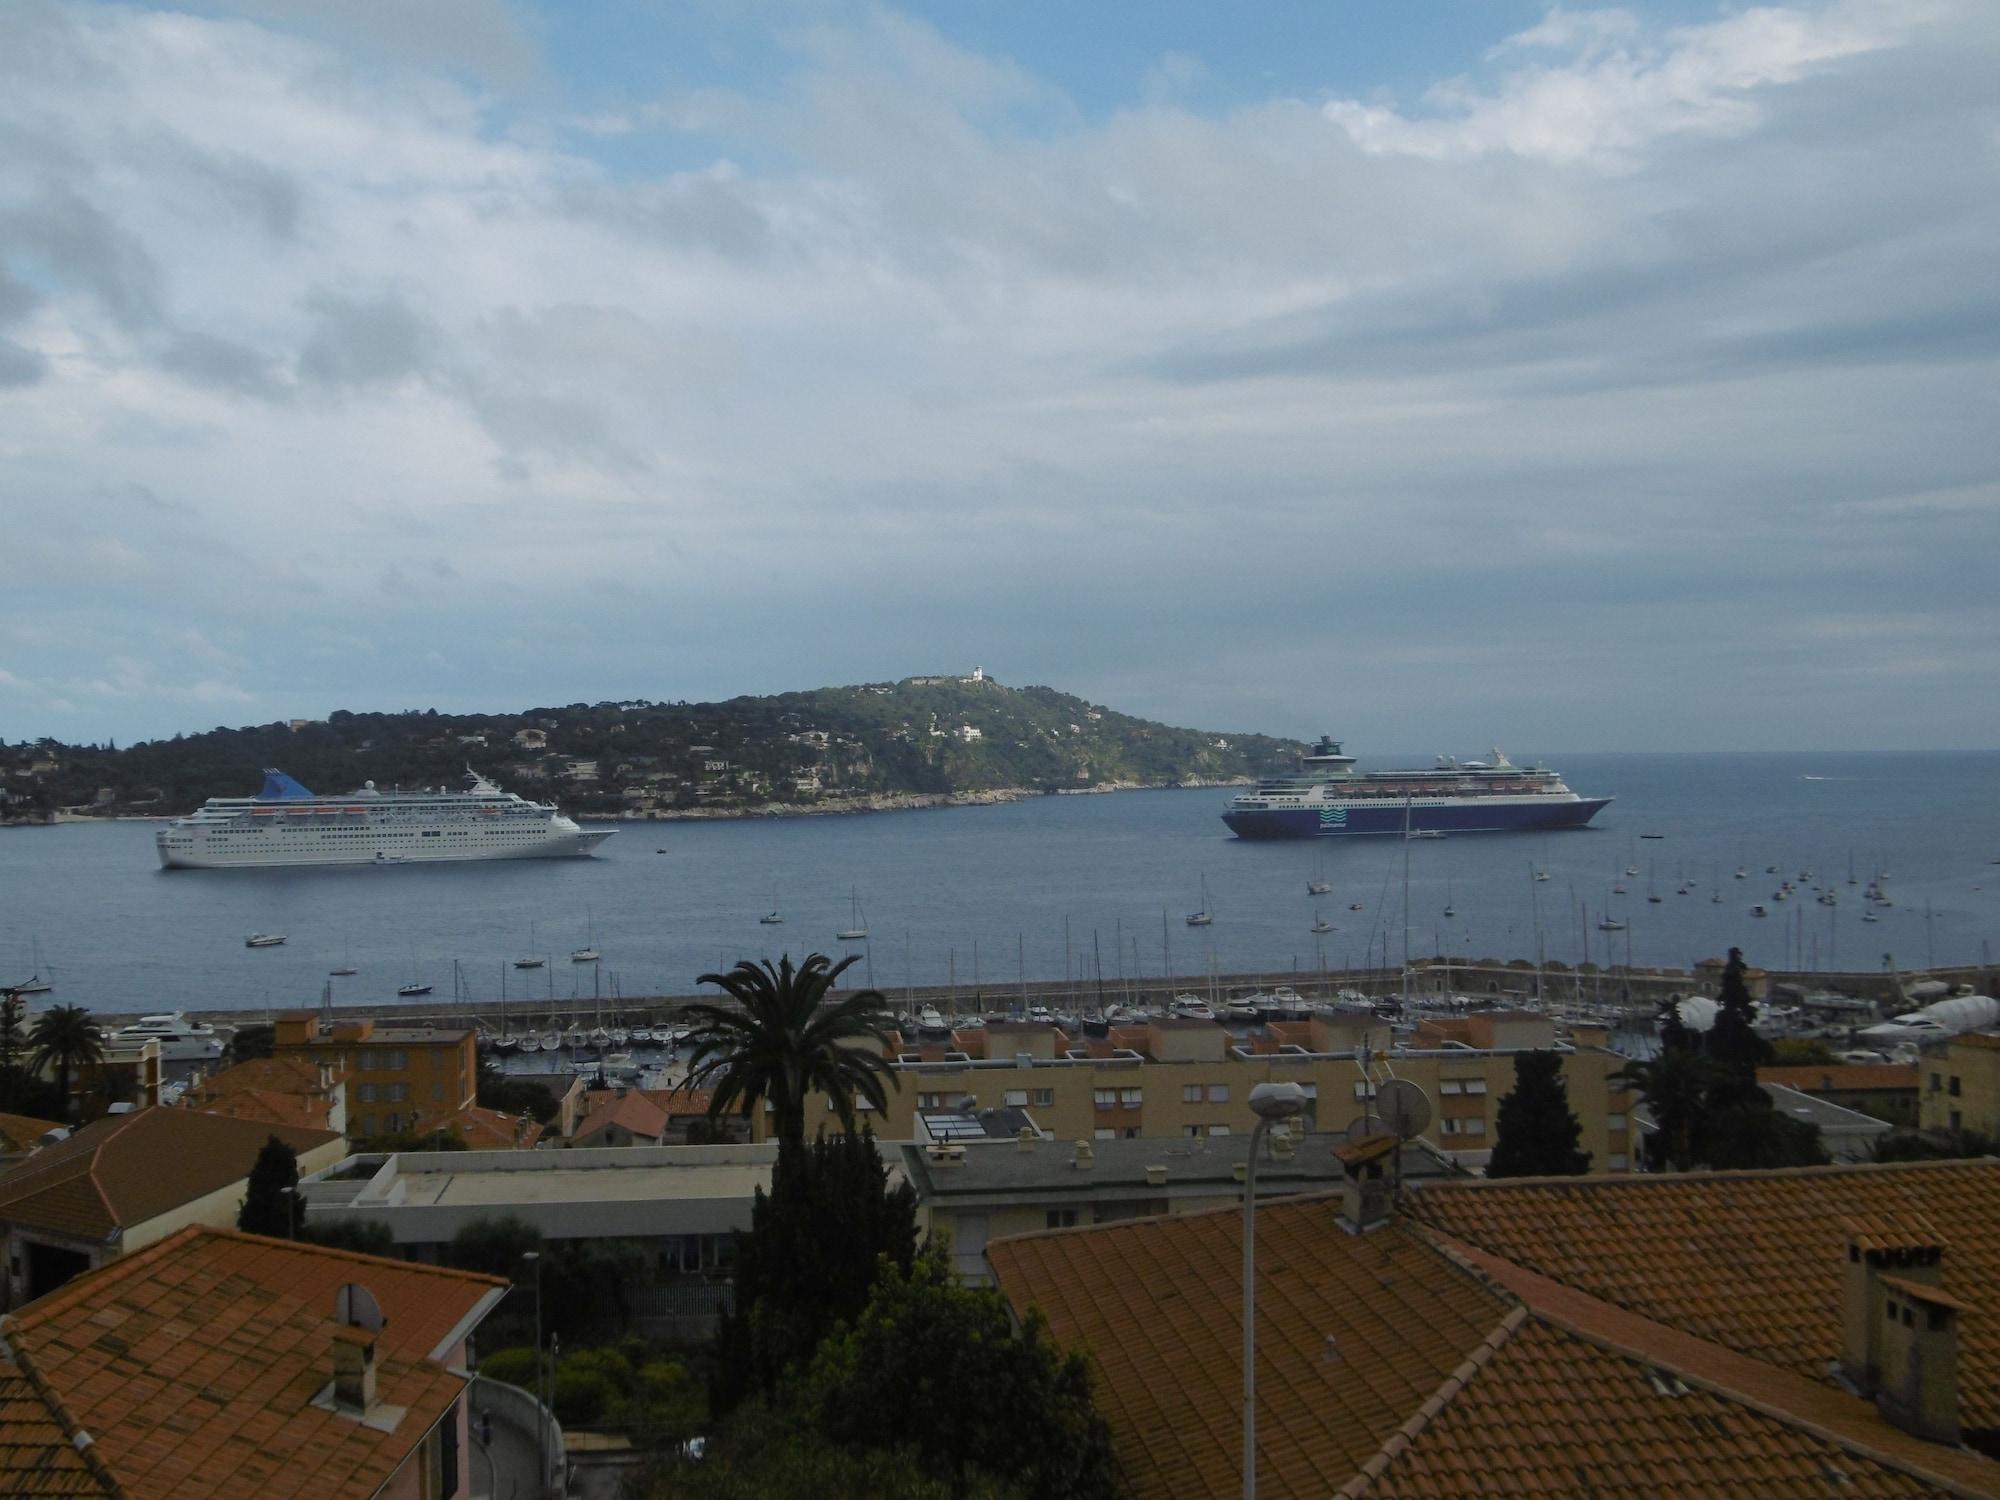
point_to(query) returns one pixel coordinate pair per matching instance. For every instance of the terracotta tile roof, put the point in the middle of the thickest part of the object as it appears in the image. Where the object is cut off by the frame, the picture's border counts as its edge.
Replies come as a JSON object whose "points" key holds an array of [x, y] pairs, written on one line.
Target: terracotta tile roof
{"points": [[1157, 1302], [483, 1129], [1550, 1413], [273, 1108], [1987, 1040], [20, 1132], [675, 1103], [1750, 1260], [284, 1075], [1811, 1078], [194, 1363], [635, 1112], [125, 1169], [37, 1456]]}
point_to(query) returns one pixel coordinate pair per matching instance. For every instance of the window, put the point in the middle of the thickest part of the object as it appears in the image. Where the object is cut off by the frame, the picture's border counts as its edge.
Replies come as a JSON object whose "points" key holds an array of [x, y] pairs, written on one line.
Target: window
{"points": [[437, 1091], [1614, 1122], [438, 1057], [1045, 1098], [1937, 1082], [1475, 1085], [1104, 1098], [1953, 1090], [1475, 1126], [1218, 1093], [368, 1094], [1190, 1093], [1364, 1090], [1062, 1218], [1104, 1133], [1448, 1086], [1017, 1098], [1957, 1120], [1218, 1130], [1130, 1098], [399, 1092], [930, 1101]]}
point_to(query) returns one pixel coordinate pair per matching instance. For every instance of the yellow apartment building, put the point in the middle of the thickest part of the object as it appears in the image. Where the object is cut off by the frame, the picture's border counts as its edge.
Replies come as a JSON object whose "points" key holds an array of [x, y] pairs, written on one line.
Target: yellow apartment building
{"points": [[397, 1073], [1960, 1087], [1189, 1078]]}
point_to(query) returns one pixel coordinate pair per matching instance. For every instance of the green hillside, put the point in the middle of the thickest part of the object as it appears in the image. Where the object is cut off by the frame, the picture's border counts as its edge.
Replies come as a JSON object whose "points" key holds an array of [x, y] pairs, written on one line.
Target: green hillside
{"points": [[926, 736]]}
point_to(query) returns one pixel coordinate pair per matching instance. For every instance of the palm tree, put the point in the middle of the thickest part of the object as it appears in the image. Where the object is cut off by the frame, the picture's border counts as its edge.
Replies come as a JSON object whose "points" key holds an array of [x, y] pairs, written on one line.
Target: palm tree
{"points": [[1675, 1087], [783, 1040], [65, 1039]]}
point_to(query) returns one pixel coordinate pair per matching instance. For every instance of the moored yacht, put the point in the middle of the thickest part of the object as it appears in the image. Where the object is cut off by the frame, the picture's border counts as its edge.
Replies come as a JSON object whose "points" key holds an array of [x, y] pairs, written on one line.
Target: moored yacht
{"points": [[180, 1039]]}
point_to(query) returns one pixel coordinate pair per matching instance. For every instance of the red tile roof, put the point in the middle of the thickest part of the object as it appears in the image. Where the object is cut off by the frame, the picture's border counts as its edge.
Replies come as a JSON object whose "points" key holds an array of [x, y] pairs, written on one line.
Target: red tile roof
{"points": [[1811, 1078], [194, 1364], [125, 1169], [1750, 1260], [483, 1129], [634, 1112], [20, 1132], [38, 1455], [273, 1108]]}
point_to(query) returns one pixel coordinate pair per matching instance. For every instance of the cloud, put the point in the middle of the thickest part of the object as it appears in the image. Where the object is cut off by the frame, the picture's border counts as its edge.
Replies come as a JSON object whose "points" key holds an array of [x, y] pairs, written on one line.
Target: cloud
{"points": [[1612, 344]]}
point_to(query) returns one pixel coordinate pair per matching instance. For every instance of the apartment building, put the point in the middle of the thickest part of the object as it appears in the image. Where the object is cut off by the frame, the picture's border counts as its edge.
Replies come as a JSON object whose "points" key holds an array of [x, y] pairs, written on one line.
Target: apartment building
{"points": [[1189, 1078], [396, 1074], [1960, 1087]]}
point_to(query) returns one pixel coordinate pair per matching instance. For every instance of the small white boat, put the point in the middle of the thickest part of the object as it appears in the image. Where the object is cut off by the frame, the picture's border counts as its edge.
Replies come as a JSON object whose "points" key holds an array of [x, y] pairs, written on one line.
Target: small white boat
{"points": [[1204, 917], [1610, 924], [264, 940], [770, 919], [344, 971], [1320, 924], [930, 1019], [1192, 1008], [584, 955], [856, 930], [407, 991], [526, 1044], [1424, 833], [180, 1039]]}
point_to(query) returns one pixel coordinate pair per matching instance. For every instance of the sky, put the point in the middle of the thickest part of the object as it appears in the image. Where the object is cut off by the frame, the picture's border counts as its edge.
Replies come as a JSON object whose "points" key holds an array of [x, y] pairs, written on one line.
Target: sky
{"points": [[1434, 376]]}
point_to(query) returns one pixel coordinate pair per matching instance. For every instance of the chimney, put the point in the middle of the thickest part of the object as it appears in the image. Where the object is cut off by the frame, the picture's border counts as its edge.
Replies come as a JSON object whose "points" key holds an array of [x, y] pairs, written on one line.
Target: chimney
{"points": [[1365, 1198], [1156, 1175], [353, 1368], [1281, 1142], [1024, 1139], [1084, 1156], [1899, 1327]]}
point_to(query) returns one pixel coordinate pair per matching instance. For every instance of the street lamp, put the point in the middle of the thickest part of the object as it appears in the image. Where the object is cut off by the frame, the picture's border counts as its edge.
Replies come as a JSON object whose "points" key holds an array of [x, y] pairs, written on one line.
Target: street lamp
{"points": [[1270, 1102], [534, 1258]]}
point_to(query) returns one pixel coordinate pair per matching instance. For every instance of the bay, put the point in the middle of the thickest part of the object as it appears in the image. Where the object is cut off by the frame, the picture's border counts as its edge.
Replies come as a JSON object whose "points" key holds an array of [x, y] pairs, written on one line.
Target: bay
{"points": [[983, 893]]}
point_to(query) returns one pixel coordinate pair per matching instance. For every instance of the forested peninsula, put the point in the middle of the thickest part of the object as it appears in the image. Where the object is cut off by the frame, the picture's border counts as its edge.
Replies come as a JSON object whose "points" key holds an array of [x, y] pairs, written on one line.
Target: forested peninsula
{"points": [[918, 742]]}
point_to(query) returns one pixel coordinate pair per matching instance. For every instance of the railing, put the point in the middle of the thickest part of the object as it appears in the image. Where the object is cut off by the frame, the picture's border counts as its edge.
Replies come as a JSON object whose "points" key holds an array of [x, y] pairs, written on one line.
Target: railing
{"points": [[682, 1310]]}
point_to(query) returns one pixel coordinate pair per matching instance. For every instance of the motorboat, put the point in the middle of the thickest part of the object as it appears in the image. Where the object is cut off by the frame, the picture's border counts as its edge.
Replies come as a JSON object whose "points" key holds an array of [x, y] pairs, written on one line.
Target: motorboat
{"points": [[410, 991], [264, 940], [180, 1039]]}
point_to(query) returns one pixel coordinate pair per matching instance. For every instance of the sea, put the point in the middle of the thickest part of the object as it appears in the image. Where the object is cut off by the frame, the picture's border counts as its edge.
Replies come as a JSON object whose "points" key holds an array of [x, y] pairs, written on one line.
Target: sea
{"points": [[1051, 888]]}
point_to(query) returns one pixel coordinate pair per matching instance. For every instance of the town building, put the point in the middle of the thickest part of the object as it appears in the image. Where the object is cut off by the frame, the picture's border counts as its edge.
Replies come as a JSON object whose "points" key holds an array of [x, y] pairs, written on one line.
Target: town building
{"points": [[283, 1090], [1844, 1134], [396, 1074], [127, 1181], [684, 1202], [1961, 1085], [481, 1129], [1888, 1091], [567, 1089], [621, 1117], [1805, 1332], [1192, 1078], [977, 1190], [237, 1367]]}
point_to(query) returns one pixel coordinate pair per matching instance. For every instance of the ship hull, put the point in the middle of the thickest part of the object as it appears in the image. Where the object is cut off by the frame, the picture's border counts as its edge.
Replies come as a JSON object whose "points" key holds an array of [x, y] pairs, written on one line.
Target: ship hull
{"points": [[401, 848], [1356, 817]]}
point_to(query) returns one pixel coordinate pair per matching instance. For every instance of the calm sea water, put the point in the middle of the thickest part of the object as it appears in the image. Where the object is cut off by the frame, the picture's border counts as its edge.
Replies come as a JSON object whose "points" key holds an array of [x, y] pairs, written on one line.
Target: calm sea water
{"points": [[985, 892]]}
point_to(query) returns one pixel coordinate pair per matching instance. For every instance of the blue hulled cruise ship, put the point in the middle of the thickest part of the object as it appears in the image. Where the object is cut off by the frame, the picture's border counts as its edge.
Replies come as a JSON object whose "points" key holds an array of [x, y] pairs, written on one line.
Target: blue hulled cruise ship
{"points": [[1329, 797]]}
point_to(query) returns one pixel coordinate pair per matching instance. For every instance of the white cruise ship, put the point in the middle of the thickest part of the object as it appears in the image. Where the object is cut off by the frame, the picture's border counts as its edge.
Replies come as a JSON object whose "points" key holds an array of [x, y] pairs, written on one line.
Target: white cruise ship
{"points": [[284, 824]]}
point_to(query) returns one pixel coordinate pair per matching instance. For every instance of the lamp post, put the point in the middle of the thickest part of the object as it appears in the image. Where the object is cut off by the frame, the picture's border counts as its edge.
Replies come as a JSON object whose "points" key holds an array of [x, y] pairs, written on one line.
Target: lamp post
{"points": [[1270, 1102], [534, 1258], [291, 1195]]}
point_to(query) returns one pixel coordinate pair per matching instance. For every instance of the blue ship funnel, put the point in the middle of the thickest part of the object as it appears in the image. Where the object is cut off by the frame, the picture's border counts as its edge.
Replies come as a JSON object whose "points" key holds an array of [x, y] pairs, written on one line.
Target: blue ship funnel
{"points": [[278, 787]]}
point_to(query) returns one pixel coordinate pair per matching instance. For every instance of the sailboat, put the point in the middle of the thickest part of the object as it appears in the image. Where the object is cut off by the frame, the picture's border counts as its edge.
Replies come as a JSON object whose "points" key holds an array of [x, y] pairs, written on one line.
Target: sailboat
{"points": [[346, 965], [532, 961], [1203, 917], [1320, 923], [588, 953], [1652, 890], [774, 916], [856, 930], [1318, 885], [1448, 909]]}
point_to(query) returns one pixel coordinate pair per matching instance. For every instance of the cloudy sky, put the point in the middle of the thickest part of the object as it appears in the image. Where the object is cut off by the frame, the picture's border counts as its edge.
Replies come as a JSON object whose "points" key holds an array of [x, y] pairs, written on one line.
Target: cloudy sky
{"points": [[1435, 375]]}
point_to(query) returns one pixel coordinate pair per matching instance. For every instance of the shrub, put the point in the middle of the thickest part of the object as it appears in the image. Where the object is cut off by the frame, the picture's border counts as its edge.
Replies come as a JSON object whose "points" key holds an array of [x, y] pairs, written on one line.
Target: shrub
{"points": [[582, 1396], [514, 1366]]}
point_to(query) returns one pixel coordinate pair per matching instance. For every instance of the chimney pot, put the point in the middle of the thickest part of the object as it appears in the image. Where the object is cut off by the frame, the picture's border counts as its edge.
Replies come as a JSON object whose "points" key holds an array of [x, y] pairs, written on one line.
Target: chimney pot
{"points": [[1156, 1175], [1025, 1138], [1084, 1155], [353, 1368]]}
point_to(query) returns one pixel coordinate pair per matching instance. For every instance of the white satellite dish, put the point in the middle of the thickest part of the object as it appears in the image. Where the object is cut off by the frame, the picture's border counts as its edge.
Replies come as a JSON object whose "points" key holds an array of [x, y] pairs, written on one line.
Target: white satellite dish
{"points": [[354, 1306], [1406, 1109]]}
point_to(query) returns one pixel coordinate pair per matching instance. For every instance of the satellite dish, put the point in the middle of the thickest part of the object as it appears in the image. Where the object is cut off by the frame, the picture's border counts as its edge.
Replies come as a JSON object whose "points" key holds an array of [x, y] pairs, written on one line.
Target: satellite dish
{"points": [[1406, 1109], [1363, 1126], [354, 1306]]}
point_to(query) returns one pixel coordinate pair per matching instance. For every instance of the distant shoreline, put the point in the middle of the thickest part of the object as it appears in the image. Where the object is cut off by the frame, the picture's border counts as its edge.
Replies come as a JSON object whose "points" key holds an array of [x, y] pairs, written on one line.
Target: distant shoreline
{"points": [[827, 808]]}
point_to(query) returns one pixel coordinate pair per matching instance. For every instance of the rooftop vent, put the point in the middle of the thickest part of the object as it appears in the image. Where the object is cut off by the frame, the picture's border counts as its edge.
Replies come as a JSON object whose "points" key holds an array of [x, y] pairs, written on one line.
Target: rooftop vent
{"points": [[1156, 1175], [1084, 1155]]}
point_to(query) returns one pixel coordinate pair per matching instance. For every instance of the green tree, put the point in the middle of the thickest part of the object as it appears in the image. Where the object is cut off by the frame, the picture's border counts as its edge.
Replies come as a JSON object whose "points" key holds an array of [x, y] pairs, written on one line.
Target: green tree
{"points": [[268, 1199], [253, 1041], [1539, 1135], [1932, 1146], [13, 1028], [364, 1238], [1674, 1086], [1733, 1041], [783, 1041], [1751, 1134], [815, 1247], [496, 1246], [759, 1453], [514, 1096], [65, 1039], [997, 1399]]}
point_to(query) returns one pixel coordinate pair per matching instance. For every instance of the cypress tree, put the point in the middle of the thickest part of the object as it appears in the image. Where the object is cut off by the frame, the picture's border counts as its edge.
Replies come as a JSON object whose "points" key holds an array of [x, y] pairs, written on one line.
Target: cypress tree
{"points": [[1733, 1041], [1539, 1132], [267, 1208]]}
